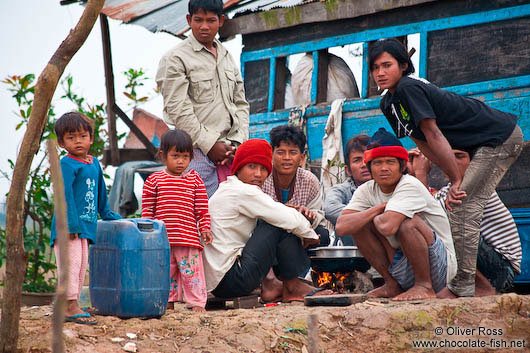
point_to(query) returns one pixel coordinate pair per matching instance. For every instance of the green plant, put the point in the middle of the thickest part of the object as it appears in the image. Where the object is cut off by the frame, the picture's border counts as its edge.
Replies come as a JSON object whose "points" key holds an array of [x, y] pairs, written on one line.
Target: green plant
{"points": [[340, 177], [37, 212], [135, 79]]}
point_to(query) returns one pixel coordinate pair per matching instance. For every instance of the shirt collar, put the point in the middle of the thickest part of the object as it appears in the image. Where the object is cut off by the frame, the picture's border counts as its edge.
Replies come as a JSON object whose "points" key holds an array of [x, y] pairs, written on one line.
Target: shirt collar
{"points": [[354, 185], [197, 46]]}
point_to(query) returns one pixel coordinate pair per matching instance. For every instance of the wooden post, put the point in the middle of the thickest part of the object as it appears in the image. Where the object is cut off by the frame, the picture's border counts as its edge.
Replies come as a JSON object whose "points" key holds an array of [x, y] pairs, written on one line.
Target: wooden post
{"points": [[44, 89], [61, 226], [313, 341], [109, 84], [322, 80], [281, 82], [135, 130]]}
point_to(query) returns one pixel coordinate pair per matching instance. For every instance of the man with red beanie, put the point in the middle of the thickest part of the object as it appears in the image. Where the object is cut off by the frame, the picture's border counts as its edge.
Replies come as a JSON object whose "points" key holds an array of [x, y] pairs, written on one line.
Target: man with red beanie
{"points": [[252, 233], [398, 228]]}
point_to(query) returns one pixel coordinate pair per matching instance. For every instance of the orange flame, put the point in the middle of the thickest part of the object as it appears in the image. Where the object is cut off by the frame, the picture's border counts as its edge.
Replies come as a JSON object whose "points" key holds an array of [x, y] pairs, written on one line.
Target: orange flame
{"points": [[324, 278], [334, 281]]}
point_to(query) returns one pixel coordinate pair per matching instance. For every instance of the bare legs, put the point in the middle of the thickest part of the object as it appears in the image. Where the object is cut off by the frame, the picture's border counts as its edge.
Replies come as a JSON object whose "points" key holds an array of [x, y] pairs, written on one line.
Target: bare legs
{"points": [[377, 251], [415, 238]]}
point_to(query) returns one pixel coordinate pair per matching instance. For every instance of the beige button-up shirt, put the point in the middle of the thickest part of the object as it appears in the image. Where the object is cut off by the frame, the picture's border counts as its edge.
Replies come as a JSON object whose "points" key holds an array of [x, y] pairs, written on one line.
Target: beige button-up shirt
{"points": [[234, 210], [203, 95]]}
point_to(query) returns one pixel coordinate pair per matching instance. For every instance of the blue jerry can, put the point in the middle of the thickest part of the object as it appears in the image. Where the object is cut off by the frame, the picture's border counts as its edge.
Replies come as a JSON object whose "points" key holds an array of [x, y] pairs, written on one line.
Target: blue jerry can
{"points": [[129, 268], [521, 217]]}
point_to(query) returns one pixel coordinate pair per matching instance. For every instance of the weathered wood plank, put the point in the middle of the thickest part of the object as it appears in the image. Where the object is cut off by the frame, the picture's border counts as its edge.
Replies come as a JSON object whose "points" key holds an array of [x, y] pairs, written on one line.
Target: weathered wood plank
{"points": [[479, 53], [245, 302], [282, 73], [329, 10], [396, 17], [335, 300], [322, 82], [514, 188], [128, 155], [257, 85]]}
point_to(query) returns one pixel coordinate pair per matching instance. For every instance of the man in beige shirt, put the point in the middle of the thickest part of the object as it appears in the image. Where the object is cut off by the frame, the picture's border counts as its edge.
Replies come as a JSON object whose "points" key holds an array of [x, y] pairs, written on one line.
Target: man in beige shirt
{"points": [[204, 95], [252, 233]]}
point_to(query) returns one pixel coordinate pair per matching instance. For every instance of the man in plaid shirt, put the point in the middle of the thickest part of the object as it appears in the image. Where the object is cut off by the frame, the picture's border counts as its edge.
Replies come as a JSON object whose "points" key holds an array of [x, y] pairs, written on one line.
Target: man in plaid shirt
{"points": [[292, 185]]}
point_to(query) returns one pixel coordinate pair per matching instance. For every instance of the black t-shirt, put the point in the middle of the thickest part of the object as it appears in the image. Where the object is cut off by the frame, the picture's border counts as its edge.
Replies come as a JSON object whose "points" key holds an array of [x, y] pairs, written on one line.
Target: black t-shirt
{"points": [[466, 123]]}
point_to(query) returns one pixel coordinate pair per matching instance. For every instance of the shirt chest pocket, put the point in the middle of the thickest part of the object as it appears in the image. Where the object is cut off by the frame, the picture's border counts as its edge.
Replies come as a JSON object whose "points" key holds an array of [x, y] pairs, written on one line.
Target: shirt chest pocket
{"points": [[231, 83], [202, 87]]}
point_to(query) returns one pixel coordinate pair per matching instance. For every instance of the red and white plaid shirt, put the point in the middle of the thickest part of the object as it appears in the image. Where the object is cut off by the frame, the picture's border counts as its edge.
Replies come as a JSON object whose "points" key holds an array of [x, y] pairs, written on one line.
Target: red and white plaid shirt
{"points": [[305, 191]]}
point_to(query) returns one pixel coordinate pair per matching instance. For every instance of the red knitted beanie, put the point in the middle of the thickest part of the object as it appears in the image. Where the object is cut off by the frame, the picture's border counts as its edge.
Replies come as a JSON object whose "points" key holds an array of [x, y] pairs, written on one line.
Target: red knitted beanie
{"points": [[384, 144], [253, 151]]}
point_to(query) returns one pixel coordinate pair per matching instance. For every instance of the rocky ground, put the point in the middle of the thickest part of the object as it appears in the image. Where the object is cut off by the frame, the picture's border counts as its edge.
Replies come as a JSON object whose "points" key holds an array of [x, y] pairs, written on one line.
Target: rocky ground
{"points": [[370, 326]]}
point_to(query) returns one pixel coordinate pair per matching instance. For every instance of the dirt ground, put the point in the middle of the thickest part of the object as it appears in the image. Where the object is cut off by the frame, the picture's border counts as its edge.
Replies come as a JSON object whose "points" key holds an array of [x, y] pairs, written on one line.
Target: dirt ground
{"points": [[370, 326]]}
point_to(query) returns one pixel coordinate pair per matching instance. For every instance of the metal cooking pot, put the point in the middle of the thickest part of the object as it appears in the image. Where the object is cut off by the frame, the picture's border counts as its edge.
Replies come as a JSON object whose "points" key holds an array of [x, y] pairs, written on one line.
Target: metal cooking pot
{"points": [[338, 259], [336, 252], [339, 264]]}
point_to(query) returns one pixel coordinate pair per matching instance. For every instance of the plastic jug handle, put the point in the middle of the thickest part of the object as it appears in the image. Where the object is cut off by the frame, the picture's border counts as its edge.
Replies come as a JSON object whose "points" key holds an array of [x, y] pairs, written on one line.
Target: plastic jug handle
{"points": [[145, 226]]}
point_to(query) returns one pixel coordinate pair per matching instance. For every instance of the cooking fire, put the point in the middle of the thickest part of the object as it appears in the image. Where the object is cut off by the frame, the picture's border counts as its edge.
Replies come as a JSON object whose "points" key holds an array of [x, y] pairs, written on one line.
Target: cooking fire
{"points": [[350, 282]]}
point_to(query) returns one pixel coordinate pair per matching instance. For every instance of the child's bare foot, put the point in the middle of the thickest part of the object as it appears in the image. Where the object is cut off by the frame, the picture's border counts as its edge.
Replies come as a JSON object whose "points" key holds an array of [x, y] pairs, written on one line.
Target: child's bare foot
{"points": [[198, 309], [387, 290], [171, 306], [416, 293]]}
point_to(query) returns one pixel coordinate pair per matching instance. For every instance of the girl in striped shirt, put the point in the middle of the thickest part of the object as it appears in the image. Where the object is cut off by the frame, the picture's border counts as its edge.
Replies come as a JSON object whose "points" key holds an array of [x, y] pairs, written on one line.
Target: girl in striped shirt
{"points": [[178, 198]]}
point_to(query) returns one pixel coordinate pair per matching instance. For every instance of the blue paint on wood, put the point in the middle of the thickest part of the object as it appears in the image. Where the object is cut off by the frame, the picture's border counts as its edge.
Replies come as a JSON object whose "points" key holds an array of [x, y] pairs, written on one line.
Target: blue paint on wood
{"points": [[364, 116], [272, 79], [423, 55], [490, 86], [314, 78], [366, 69], [499, 89], [388, 32]]}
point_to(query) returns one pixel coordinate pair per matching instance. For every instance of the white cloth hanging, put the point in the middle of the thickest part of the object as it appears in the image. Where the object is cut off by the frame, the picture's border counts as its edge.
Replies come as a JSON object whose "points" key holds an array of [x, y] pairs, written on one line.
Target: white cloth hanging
{"points": [[332, 154]]}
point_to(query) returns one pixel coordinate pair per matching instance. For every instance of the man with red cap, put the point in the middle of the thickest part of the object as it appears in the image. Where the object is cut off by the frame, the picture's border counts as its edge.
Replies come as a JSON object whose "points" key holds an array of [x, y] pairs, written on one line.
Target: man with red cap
{"points": [[398, 228], [252, 233]]}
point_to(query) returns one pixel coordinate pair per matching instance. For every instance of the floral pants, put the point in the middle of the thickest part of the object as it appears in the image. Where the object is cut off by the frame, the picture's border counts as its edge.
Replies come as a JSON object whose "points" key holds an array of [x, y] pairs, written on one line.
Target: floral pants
{"points": [[187, 276]]}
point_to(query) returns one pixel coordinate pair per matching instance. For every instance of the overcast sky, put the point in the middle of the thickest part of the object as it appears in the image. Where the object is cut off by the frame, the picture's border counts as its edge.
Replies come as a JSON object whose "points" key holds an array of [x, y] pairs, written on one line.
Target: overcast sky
{"points": [[32, 31]]}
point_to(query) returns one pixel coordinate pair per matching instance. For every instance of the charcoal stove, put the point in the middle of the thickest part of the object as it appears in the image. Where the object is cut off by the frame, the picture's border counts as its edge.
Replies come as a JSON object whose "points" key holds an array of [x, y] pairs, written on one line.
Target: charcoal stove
{"points": [[341, 269]]}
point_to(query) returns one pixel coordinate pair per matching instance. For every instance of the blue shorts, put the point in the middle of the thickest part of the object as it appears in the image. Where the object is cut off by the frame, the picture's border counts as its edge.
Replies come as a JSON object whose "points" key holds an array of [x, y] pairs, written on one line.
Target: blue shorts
{"points": [[401, 269]]}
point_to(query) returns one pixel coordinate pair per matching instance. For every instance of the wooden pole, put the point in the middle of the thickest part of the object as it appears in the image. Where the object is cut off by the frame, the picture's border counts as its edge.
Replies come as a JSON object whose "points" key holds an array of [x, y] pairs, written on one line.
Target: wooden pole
{"points": [[313, 341], [111, 96], [61, 226], [44, 90]]}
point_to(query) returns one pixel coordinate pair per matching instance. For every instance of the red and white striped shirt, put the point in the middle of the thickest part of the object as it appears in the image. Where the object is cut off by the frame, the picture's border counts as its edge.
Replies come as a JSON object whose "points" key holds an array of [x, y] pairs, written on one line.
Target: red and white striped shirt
{"points": [[181, 203]]}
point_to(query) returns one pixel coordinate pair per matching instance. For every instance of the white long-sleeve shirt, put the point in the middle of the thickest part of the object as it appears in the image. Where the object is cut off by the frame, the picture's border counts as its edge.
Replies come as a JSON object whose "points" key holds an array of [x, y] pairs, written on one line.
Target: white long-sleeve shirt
{"points": [[234, 210]]}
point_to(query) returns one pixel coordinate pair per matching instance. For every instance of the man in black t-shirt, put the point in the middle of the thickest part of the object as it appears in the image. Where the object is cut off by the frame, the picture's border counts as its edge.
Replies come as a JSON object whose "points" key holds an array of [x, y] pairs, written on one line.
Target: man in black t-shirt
{"points": [[438, 121]]}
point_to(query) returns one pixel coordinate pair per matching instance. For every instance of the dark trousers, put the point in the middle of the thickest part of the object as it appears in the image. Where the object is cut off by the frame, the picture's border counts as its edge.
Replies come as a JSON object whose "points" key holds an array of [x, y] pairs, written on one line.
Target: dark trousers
{"points": [[268, 247], [324, 238], [494, 267]]}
